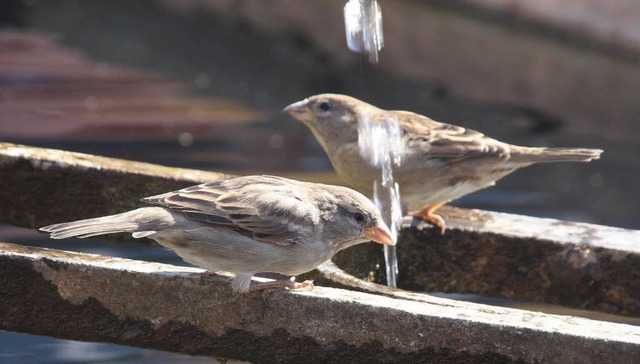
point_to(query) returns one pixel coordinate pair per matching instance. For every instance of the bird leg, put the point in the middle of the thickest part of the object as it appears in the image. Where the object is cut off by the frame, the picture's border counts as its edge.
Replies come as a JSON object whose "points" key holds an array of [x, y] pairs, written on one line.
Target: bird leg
{"points": [[206, 275], [427, 214], [287, 284]]}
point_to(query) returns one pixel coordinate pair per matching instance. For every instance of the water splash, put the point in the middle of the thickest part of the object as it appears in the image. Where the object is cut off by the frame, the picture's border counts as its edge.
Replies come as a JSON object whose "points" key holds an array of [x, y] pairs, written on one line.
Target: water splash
{"points": [[363, 25], [380, 143]]}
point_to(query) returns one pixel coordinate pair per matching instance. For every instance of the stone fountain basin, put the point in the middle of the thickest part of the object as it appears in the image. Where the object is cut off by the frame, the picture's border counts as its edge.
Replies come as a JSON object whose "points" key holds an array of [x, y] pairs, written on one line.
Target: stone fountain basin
{"points": [[85, 297]]}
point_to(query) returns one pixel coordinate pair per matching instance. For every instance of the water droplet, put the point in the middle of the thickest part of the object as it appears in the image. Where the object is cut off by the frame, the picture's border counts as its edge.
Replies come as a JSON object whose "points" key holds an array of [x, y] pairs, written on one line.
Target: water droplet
{"points": [[363, 25], [596, 180], [202, 80], [91, 103], [276, 141], [185, 139]]}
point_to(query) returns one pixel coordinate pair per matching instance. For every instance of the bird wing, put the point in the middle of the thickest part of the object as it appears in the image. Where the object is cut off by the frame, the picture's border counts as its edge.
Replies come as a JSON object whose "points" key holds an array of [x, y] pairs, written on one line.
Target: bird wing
{"points": [[446, 141], [265, 208]]}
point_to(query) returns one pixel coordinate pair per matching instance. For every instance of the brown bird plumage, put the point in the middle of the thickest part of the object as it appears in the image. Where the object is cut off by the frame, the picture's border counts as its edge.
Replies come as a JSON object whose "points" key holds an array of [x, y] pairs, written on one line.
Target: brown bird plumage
{"points": [[247, 225], [442, 162]]}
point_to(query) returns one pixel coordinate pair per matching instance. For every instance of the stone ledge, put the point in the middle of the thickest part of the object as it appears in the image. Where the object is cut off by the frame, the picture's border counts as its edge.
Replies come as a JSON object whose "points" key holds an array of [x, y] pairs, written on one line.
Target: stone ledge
{"points": [[525, 258], [492, 254], [90, 297]]}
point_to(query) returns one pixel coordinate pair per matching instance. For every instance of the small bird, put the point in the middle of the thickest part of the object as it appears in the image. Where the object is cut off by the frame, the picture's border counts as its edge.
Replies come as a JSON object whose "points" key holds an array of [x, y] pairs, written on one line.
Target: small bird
{"points": [[247, 225], [441, 162]]}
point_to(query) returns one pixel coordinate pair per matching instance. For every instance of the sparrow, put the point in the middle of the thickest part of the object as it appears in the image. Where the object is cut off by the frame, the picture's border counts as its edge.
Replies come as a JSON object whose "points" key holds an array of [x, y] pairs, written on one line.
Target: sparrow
{"points": [[441, 162], [247, 225]]}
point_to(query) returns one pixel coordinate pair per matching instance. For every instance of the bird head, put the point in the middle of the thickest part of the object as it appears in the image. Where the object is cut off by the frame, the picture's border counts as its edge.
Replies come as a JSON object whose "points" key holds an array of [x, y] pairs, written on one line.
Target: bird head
{"points": [[330, 116], [351, 218]]}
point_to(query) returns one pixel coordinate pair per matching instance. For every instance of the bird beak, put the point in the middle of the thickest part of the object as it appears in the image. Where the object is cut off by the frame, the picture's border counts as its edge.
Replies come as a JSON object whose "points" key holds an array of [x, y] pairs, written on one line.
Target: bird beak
{"points": [[298, 110], [380, 234]]}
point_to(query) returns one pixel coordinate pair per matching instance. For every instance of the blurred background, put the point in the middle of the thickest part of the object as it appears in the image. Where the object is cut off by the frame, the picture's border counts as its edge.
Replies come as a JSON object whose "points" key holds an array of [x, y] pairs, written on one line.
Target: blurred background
{"points": [[200, 84]]}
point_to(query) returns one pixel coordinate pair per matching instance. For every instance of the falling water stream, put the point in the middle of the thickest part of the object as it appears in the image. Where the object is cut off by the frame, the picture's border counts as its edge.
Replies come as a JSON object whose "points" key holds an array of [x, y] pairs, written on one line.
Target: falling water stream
{"points": [[363, 25], [380, 143]]}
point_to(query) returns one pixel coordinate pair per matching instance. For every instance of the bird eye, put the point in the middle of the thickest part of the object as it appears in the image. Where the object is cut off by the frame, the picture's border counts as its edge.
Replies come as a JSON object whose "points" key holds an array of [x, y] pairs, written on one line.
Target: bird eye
{"points": [[359, 217], [325, 106]]}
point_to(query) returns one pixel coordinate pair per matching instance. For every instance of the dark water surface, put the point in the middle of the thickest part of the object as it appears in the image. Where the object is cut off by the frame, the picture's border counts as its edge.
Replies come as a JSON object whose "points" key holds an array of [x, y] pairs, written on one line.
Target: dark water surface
{"points": [[30, 349]]}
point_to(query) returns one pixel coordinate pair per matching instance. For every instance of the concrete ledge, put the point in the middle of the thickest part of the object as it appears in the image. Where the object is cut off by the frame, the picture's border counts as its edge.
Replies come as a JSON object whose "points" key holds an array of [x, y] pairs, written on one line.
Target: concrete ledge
{"points": [[518, 257], [492, 254], [89, 297], [43, 186]]}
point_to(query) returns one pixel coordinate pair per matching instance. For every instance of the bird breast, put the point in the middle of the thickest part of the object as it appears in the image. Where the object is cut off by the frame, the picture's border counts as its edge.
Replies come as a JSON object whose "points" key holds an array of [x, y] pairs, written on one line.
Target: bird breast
{"points": [[222, 249]]}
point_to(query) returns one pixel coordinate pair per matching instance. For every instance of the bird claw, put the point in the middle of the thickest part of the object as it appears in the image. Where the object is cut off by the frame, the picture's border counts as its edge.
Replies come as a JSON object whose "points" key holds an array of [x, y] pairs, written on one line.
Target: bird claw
{"points": [[302, 285], [206, 275], [286, 284], [438, 221], [426, 214]]}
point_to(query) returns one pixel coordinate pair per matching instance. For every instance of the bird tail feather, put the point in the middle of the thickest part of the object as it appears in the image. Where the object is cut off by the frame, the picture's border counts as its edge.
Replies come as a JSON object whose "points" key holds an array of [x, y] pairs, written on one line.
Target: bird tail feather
{"points": [[126, 222], [543, 155]]}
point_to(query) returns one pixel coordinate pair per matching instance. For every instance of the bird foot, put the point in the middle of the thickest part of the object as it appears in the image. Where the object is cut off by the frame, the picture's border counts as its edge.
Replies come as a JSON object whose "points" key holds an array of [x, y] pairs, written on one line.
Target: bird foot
{"points": [[426, 214], [206, 275], [286, 284]]}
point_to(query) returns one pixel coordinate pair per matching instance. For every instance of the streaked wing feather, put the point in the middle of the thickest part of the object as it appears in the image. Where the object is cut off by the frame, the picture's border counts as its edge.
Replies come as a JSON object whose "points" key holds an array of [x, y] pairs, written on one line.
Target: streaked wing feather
{"points": [[235, 206], [450, 142]]}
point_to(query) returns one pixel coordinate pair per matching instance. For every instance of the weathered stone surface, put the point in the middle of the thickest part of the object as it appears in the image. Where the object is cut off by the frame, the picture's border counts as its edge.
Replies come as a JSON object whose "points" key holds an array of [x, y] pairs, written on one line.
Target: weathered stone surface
{"points": [[43, 186], [519, 257], [492, 254], [89, 297]]}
